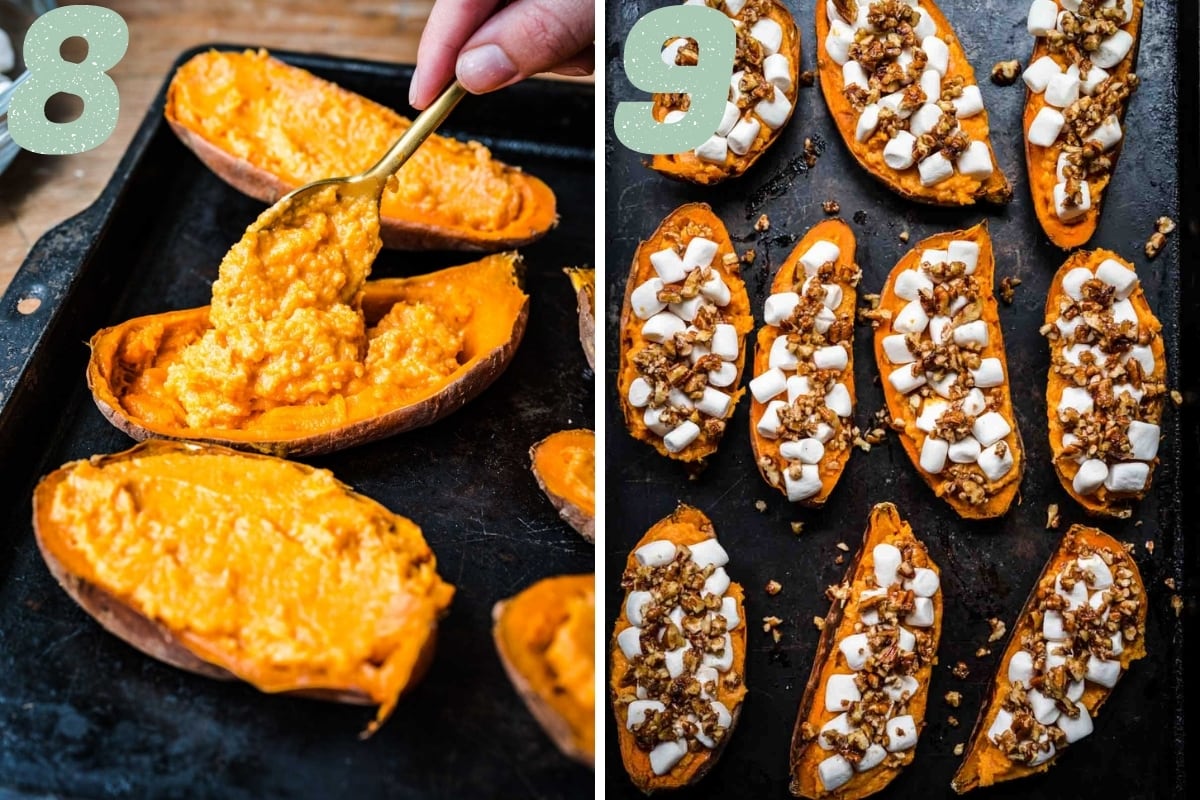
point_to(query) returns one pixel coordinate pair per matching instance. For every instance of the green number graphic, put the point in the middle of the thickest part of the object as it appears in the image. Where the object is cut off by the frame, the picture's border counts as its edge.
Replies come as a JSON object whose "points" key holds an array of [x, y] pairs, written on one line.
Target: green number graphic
{"points": [[107, 38], [706, 83]]}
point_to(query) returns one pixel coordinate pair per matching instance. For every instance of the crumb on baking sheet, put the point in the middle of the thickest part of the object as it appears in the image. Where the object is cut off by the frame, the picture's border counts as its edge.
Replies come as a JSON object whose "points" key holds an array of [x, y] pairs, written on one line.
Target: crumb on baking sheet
{"points": [[771, 626], [983, 652], [998, 629], [1008, 285], [797, 528], [953, 721], [845, 548], [953, 698], [1176, 397], [958, 749], [763, 224], [1150, 546], [904, 236], [1177, 604], [819, 623], [1169, 583], [831, 207], [1053, 518], [960, 670], [749, 256], [760, 505], [806, 78], [774, 587], [1004, 73]]}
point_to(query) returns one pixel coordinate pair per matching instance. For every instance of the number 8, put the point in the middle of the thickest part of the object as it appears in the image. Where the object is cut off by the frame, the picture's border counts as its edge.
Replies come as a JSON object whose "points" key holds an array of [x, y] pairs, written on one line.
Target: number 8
{"points": [[107, 38]]}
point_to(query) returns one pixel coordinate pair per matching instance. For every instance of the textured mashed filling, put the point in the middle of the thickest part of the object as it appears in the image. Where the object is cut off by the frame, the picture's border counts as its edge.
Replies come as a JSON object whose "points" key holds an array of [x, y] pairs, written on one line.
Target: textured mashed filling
{"points": [[571, 656]]}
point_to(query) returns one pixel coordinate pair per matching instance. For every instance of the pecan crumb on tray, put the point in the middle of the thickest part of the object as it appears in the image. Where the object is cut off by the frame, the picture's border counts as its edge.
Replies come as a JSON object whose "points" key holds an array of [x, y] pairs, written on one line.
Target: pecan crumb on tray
{"points": [[1004, 73]]}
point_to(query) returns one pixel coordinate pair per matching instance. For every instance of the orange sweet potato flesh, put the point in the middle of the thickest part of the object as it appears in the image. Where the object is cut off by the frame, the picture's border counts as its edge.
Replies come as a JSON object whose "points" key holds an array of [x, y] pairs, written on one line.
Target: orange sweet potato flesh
{"points": [[1102, 502], [584, 283], [266, 127], [271, 592], [694, 216], [564, 464], [687, 526], [1002, 492], [985, 764], [688, 167], [127, 370], [884, 527], [1042, 162], [545, 637], [958, 190], [790, 275]]}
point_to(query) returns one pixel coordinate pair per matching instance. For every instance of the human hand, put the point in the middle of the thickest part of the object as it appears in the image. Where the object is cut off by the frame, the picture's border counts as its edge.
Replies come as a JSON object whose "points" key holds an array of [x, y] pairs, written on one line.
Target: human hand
{"points": [[462, 38]]}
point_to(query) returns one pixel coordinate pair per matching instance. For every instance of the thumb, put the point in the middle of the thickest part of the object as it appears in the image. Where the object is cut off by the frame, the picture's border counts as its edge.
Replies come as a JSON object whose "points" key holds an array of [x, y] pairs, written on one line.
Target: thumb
{"points": [[524, 38]]}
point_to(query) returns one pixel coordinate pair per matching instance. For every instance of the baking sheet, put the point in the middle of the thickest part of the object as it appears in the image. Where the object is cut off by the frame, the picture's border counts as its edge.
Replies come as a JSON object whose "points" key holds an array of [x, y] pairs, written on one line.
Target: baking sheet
{"points": [[84, 715], [988, 568]]}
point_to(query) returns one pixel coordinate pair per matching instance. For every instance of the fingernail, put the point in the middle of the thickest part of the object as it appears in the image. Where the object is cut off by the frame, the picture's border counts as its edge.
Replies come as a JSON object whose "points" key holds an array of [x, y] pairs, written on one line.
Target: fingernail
{"points": [[484, 68], [413, 85]]}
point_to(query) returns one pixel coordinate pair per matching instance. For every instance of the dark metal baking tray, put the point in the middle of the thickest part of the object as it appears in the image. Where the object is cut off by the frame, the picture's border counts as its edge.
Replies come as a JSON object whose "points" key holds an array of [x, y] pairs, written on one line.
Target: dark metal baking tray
{"points": [[988, 568], [84, 715]]}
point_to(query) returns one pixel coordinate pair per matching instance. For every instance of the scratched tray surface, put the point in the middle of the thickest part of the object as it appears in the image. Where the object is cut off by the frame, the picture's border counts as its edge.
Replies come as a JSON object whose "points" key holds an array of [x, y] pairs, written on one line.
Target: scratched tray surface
{"points": [[82, 714], [988, 568]]}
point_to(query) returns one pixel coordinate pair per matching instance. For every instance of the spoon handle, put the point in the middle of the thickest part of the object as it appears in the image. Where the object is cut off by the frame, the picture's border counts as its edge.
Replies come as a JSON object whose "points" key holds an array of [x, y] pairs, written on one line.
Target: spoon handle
{"points": [[425, 124]]}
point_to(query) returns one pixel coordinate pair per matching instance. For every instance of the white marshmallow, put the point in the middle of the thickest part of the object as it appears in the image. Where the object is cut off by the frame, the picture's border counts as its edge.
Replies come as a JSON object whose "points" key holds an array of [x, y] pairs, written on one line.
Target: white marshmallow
{"points": [[838, 400], [904, 381], [990, 428], [714, 150], [965, 450], [1126, 5], [806, 451], [805, 486], [769, 33], [911, 319], [1127, 476], [1123, 311], [1090, 82], [1108, 133], [1045, 127], [896, 349], [837, 43], [976, 161], [1123, 280], [770, 384], [1072, 282], [728, 119], [669, 267], [1144, 356], [872, 758], [683, 435], [651, 419], [908, 640], [938, 325], [723, 375], [831, 357], [887, 558], [768, 423], [636, 713], [922, 614], [989, 374], [969, 103], [1076, 729], [724, 720], [635, 604], [840, 692], [943, 385], [901, 733], [924, 118], [678, 399], [818, 255], [964, 251], [715, 289], [656, 553], [780, 356], [870, 616], [700, 252], [925, 25], [973, 403], [1126, 388], [931, 412], [1052, 627], [1118, 644], [853, 74], [1113, 49], [743, 135], [718, 582], [934, 169], [644, 299], [959, 302], [779, 307], [666, 755], [1103, 672], [1043, 17], [709, 551], [994, 465], [972, 333], [833, 295], [673, 116], [729, 611], [630, 642], [834, 772], [796, 386], [671, 50], [778, 70], [724, 343], [674, 660], [910, 282], [1062, 90], [931, 85], [687, 309], [722, 662], [898, 152], [1020, 668], [1045, 752], [735, 86], [775, 111], [640, 392], [1092, 474], [938, 52], [855, 650], [897, 687], [714, 402], [1059, 166], [1045, 710], [868, 121], [893, 102], [832, 13], [1002, 723], [824, 321], [662, 327], [1143, 439], [933, 454], [1038, 74], [839, 724]]}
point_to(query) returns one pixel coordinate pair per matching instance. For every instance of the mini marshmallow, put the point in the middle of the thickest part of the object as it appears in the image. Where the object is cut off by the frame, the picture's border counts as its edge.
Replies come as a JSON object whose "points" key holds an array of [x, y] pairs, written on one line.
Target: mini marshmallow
{"points": [[1077, 728], [934, 169], [922, 614], [778, 70], [656, 553], [769, 385], [887, 559], [1123, 280], [931, 85], [965, 450], [662, 327], [669, 267], [671, 50], [1062, 90], [1072, 282], [1043, 17], [1112, 50], [994, 465], [1108, 133], [715, 149], [1045, 127], [834, 771], [824, 321], [868, 121], [1127, 476], [938, 53], [686, 433], [898, 152], [1093, 79], [1127, 388], [933, 454], [734, 7], [931, 412], [700, 252], [909, 284], [870, 616], [938, 325], [959, 302], [1002, 723], [901, 733], [924, 118], [1092, 474], [1118, 645], [709, 551], [853, 74], [839, 724], [969, 103], [768, 424], [743, 135], [780, 356], [729, 611], [1077, 596], [818, 255], [832, 12], [976, 161], [838, 399], [718, 582], [769, 33], [1020, 668], [724, 343], [724, 720], [896, 349], [674, 660], [925, 26], [1143, 439], [1045, 710], [989, 374], [904, 381], [1067, 326], [965, 252], [665, 756], [636, 714], [640, 392], [673, 116], [1101, 574], [678, 399], [687, 309], [856, 650], [735, 86], [635, 604], [806, 451], [908, 640], [796, 386], [1059, 166], [774, 112], [837, 43], [833, 295], [652, 420], [644, 299], [911, 319], [715, 289], [630, 642], [972, 333], [1052, 627], [779, 307], [823, 433], [805, 486], [723, 375], [973, 403], [831, 357], [1123, 311], [722, 662], [990, 428], [714, 402], [1038, 74], [898, 688], [924, 582], [728, 119], [1045, 752], [840, 692], [1103, 672], [893, 101], [1144, 356], [872, 758], [1126, 6], [943, 385]]}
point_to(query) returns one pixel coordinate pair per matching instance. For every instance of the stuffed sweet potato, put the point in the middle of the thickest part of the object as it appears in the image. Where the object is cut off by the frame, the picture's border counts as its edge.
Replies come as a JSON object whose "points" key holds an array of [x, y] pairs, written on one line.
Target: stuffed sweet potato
{"points": [[940, 353], [683, 324], [564, 465], [545, 637], [864, 704], [762, 94], [265, 127], [1079, 81], [235, 565], [802, 395], [1106, 384], [1082, 627], [678, 654], [903, 95]]}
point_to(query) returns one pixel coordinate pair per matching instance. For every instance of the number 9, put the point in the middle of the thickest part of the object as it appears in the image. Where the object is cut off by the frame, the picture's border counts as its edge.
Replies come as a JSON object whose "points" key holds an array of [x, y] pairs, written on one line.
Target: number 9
{"points": [[107, 38], [706, 83]]}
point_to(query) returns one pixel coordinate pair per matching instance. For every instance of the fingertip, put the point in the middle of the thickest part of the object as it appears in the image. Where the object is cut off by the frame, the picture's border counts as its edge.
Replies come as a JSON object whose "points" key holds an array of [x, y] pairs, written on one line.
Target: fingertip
{"points": [[414, 90], [485, 68]]}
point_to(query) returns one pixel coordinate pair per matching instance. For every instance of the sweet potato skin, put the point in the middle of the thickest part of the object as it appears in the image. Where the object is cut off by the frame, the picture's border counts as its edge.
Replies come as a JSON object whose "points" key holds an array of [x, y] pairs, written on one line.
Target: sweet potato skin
{"points": [[584, 282], [570, 509]]}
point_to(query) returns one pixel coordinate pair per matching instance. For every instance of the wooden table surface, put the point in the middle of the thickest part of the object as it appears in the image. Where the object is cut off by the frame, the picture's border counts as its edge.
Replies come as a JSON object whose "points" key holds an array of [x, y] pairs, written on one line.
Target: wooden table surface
{"points": [[38, 192]]}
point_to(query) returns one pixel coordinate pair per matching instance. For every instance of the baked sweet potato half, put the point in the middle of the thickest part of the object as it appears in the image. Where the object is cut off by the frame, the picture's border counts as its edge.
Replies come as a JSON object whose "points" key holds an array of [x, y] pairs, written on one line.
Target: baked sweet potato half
{"points": [[864, 704], [1082, 627], [678, 654], [584, 283], [802, 394], [465, 323], [265, 127], [1106, 384], [762, 94], [545, 636], [242, 566], [904, 97], [564, 465], [940, 353], [1079, 81], [683, 324]]}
